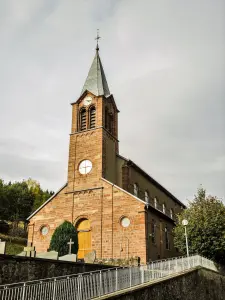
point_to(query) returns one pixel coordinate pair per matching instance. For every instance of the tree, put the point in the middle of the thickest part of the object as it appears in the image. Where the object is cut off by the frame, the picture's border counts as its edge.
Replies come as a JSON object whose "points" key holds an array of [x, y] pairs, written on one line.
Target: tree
{"points": [[40, 196], [20, 201], [206, 227], [62, 236], [4, 204]]}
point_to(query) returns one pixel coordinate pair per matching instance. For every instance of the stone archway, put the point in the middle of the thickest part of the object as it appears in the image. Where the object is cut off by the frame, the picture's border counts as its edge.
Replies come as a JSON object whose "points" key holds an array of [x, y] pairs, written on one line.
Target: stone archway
{"points": [[84, 237]]}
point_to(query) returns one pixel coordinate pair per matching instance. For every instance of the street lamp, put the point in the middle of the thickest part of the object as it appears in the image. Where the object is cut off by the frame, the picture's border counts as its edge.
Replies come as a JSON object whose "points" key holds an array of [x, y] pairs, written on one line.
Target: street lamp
{"points": [[185, 223]]}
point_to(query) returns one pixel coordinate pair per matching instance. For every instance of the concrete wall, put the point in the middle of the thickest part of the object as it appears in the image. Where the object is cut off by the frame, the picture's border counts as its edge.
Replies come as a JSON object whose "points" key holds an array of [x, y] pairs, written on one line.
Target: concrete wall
{"points": [[198, 284], [17, 269]]}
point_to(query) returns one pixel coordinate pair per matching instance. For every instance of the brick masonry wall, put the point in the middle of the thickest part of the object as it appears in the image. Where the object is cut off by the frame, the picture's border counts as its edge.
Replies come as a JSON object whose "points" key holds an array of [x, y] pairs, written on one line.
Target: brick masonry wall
{"points": [[86, 145], [104, 208]]}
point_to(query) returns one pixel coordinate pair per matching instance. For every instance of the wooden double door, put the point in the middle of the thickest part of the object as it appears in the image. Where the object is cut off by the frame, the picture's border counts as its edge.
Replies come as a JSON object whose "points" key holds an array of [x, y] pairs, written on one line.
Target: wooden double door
{"points": [[84, 238]]}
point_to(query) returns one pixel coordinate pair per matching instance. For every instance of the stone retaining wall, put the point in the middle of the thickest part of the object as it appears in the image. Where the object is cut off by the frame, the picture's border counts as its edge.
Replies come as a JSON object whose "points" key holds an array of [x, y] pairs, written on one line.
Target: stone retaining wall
{"points": [[18, 269], [200, 284]]}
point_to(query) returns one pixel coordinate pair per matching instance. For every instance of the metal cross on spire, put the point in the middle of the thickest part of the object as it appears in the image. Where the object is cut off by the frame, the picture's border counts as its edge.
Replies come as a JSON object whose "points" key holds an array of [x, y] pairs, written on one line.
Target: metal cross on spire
{"points": [[97, 38]]}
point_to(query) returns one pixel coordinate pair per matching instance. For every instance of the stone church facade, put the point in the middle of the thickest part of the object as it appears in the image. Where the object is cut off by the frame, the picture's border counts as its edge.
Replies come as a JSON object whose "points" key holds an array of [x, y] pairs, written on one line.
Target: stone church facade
{"points": [[118, 209]]}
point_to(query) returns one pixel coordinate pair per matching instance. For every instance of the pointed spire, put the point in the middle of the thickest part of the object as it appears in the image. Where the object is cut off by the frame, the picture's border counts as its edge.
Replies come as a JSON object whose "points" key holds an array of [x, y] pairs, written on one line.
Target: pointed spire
{"points": [[96, 82]]}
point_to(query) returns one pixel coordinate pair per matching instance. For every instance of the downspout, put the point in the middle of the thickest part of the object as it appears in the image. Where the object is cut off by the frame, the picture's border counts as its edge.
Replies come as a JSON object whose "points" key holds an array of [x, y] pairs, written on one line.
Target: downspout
{"points": [[32, 239], [74, 171], [112, 218], [147, 234], [101, 218]]}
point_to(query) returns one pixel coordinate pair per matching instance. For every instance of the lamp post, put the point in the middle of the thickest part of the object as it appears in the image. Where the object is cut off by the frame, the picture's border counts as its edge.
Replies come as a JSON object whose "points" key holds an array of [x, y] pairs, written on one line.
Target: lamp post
{"points": [[185, 223]]}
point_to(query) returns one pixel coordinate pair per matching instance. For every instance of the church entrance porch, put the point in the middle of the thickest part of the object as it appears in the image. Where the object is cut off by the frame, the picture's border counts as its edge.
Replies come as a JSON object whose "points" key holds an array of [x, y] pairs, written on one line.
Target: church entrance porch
{"points": [[84, 238]]}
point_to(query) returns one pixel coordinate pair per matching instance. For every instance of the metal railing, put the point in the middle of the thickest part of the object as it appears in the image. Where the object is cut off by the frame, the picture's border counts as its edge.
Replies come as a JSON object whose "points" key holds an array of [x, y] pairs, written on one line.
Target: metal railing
{"points": [[95, 284]]}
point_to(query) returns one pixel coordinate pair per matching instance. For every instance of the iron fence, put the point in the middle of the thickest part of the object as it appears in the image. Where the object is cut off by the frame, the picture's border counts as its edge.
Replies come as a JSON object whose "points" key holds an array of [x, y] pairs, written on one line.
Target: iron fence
{"points": [[95, 284]]}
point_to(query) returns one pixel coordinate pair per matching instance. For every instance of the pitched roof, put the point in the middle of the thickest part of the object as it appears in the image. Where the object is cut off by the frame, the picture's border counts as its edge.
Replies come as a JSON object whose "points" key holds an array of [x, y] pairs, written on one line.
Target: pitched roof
{"points": [[96, 82], [150, 178]]}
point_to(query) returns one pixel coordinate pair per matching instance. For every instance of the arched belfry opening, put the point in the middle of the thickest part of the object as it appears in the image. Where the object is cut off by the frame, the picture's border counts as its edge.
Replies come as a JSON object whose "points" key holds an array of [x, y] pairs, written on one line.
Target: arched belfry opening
{"points": [[92, 117], [84, 237], [83, 119]]}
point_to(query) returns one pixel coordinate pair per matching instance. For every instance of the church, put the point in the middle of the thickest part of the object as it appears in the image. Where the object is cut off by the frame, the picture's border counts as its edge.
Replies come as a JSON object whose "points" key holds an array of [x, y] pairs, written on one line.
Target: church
{"points": [[117, 208]]}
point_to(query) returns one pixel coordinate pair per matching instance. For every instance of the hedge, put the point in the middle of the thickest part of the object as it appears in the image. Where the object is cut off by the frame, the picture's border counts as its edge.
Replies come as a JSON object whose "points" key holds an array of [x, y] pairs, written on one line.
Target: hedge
{"points": [[13, 239], [61, 237]]}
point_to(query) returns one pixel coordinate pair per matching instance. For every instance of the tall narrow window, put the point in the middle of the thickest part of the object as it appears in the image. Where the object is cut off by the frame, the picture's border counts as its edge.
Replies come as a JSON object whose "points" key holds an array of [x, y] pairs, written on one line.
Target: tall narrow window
{"points": [[92, 117], [153, 232], [146, 197], [111, 123], [83, 121], [164, 208], [135, 189], [167, 238], [171, 213], [155, 202]]}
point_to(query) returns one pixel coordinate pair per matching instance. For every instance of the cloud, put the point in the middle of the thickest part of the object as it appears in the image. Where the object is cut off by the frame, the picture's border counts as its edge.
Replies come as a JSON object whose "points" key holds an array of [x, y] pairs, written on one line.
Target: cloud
{"points": [[165, 65]]}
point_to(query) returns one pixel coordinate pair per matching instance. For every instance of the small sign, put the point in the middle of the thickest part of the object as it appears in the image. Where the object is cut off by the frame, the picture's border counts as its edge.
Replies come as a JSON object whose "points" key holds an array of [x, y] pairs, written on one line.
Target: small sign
{"points": [[2, 247], [29, 249]]}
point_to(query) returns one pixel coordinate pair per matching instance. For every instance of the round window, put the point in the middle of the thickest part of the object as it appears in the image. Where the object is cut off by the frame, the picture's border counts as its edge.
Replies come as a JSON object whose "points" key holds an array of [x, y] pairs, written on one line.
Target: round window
{"points": [[44, 230], [85, 167], [125, 222]]}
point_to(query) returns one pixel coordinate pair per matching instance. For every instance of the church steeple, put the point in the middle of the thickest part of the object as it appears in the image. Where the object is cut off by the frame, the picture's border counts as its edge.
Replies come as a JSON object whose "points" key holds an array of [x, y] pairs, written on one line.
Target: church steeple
{"points": [[94, 131], [96, 82]]}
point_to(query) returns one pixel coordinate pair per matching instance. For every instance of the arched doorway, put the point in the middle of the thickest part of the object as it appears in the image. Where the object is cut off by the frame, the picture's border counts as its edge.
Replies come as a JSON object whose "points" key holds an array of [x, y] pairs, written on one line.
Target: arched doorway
{"points": [[84, 238]]}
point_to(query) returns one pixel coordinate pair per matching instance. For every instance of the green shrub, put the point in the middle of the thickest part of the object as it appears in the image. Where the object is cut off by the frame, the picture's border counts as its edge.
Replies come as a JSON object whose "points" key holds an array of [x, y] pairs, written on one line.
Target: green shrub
{"points": [[13, 249], [62, 236]]}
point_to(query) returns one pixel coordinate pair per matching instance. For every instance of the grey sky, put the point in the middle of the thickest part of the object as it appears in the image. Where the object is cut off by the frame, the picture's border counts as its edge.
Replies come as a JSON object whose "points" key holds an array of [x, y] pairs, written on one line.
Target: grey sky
{"points": [[164, 62]]}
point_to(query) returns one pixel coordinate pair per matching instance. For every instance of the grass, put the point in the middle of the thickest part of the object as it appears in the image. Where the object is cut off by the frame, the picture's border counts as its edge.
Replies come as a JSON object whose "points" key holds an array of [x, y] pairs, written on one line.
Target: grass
{"points": [[13, 249], [14, 244]]}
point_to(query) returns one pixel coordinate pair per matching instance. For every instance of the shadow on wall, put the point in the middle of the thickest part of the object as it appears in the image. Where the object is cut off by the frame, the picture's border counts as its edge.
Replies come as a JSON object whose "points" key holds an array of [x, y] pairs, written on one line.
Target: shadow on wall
{"points": [[17, 268]]}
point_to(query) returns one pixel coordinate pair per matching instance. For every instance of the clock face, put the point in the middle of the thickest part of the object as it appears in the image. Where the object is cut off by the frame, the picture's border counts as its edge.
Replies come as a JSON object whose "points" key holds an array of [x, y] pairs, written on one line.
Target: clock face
{"points": [[85, 167], [87, 100]]}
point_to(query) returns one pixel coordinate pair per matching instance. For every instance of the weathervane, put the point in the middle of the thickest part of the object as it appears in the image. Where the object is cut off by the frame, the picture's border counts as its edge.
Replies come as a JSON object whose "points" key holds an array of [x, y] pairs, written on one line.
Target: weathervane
{"points": [[97, 38]]}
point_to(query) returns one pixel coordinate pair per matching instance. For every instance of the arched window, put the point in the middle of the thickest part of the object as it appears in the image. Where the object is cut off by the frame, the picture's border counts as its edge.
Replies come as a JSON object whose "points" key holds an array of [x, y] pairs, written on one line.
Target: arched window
{"points": [[146, 197], [171, 213], [135, 189], [92, 117], [83, 120], [155, 202], [164, 208], [111, 118]]}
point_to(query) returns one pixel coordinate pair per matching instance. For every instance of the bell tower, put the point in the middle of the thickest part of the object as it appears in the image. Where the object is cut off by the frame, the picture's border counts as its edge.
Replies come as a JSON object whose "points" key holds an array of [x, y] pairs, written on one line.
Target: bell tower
{"points": [[94, 132]]}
